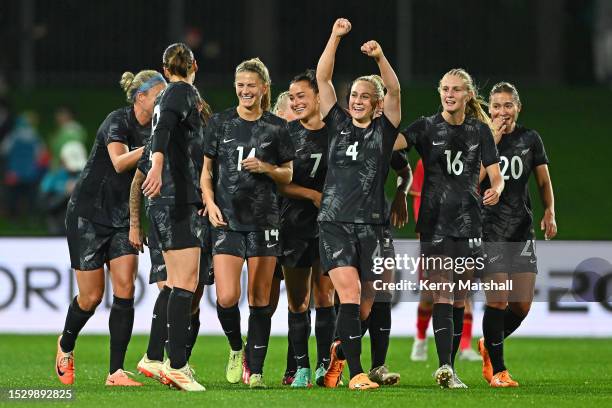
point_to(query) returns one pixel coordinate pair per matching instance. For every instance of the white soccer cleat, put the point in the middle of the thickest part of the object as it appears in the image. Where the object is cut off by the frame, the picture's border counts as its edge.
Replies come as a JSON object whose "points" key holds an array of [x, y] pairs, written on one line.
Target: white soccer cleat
{"points": [[151, 368], [444, 376], [455, 382], [419, 350], [181, 378]]}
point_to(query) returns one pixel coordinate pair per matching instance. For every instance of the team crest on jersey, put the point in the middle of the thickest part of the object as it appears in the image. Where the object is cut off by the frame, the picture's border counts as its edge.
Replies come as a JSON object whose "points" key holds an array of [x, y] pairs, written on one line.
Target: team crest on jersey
{"points": [[524, 152]]}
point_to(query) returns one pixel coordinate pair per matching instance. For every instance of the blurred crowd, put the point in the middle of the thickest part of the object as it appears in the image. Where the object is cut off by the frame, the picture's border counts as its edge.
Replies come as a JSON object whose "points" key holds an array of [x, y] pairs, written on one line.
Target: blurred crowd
{"points": [[38, 175]]}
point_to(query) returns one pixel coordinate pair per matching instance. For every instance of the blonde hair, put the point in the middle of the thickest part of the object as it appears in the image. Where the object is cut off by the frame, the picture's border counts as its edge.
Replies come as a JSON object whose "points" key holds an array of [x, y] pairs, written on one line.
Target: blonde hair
{"points": [[377, 83], [130, 83], [506, 87], [178, 59], [474, 106], [258, 67], [281, 102]]}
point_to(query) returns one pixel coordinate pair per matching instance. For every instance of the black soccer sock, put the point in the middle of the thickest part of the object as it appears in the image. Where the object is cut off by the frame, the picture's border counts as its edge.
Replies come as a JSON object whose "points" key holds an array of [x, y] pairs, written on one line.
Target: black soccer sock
{"points": [[230, 322], [291, 365], [179, 316], [493, 332], [442, 317], [260, 322], [349, 330], [120, 324], [380, 330], [458, 313], [159, 326], [325, 323], [365, 325], [75, 321], [299, 332], [512, 321], [194, 330]]}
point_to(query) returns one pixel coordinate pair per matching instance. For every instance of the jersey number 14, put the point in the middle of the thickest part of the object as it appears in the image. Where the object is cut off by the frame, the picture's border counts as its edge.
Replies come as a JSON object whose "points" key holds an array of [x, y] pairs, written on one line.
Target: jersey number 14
{"points": [[241, 155]]}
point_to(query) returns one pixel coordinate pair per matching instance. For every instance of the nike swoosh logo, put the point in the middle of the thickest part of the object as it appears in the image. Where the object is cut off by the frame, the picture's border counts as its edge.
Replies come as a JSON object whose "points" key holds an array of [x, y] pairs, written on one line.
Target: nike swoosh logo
{"points": [[59, 372], [270, 246], [439, 330], [228, 140], [381, 329], [345, 132], [228, 332], [438, 143], [354, 337], [497, 344], [301, 148], [300, 357], [259, 347]]}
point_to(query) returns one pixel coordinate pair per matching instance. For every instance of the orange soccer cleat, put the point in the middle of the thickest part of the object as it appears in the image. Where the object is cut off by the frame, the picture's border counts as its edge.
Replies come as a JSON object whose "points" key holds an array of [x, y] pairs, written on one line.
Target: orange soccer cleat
{"points": [[64, 365], [487, 368], [503, 380], [334, 372], [362, 382], [121, 378]]}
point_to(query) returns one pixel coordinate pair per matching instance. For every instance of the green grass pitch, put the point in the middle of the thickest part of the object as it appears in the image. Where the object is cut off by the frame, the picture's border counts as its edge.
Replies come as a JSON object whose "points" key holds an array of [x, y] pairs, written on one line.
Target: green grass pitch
{"points": [[552, 372]]}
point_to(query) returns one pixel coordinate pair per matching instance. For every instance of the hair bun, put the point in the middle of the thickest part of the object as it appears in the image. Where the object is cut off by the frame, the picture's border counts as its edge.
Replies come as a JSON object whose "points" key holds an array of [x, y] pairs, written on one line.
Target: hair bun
{"points": [[126, 80]]}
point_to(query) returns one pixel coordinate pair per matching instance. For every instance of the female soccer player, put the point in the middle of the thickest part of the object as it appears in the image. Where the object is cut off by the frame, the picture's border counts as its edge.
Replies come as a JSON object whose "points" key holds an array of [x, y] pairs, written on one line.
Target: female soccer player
{"points": [[453, 145], [299, 232], [508, 230], [151, 363], [173, 207], [249, 152], [97, 222], [353, 206]]}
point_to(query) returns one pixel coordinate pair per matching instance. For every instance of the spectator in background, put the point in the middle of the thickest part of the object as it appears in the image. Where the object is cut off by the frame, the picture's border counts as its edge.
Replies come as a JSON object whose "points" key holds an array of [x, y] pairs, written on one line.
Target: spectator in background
{"points": [[23, 154], [57, 185], [69, 130], [7, 120]]}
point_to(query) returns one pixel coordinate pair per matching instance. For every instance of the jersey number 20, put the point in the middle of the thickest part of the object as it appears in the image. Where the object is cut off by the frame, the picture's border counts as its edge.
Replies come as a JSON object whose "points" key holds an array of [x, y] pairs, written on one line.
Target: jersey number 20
{"points": [[516, 167]]}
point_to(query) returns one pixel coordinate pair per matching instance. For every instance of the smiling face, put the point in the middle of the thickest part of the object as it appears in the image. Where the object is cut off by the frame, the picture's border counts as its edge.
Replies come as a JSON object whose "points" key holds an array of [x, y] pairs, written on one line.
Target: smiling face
{"points": [[363, 100], [454, 94], [249, 89], [303, 101], [503, 105]]}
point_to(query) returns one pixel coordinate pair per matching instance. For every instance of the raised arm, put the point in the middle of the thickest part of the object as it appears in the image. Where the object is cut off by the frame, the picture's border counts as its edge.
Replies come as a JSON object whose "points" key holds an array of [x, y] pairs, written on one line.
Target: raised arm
{"points": [[325, 67], [548, 223], [393, 108]]}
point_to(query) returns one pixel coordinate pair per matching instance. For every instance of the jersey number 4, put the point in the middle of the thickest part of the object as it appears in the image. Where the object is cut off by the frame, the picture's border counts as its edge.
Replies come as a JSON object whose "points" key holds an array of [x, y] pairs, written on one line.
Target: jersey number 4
{"points": [[453, 166], [241, 155], [352, 151]]}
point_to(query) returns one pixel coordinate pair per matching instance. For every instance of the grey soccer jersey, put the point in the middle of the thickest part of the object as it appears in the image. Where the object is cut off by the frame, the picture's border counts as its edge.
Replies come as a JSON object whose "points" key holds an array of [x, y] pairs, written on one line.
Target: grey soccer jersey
{"points": [[511, 219], [357, 168], [452, 154]]}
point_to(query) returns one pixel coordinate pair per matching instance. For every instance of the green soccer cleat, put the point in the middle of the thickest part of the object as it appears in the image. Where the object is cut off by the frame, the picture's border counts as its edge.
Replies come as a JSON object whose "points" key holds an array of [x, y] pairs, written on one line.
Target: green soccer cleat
{"points": [[233, 370], [256, 381], [302, 378]]}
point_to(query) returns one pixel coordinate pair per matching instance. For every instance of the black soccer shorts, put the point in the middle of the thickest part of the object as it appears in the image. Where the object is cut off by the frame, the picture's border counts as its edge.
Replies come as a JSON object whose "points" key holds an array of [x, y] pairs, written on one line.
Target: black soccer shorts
{"points": [[245, 244], [298, 252], [347, 244], [176, 227], [510, 257], [91, 245]]}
